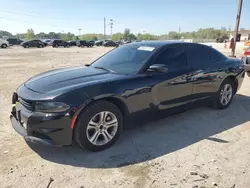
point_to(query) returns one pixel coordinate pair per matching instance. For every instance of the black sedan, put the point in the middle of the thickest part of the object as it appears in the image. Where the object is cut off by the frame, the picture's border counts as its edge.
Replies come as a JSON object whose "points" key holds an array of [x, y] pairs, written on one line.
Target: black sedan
{"points": [[84, 43], [110, 44], [33, 43], [89, 104], [99, 43], [57, 43], [72, 42]]}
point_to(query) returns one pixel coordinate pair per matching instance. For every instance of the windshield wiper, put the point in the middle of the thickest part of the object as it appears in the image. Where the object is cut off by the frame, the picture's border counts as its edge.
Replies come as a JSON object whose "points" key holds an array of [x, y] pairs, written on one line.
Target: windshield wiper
{"points": [[104, 69]]}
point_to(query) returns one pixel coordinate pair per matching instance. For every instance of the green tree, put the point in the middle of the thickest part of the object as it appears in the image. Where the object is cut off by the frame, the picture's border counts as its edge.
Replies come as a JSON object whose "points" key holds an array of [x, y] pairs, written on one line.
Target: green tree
{"points": [[173, 35], [41, 35], [117, 36], [147, 36], [30, 34], [91, 36], [126, 35]]}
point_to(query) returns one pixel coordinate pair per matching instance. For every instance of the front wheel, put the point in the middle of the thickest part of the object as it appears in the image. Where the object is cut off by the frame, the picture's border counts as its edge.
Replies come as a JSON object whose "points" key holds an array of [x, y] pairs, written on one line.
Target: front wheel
{"points": [[4, 46], [98, 126], [224, 96]]}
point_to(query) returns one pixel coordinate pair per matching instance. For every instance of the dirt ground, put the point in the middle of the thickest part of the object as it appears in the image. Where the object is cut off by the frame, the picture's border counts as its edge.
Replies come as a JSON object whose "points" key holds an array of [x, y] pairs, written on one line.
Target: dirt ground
{"points": [[202, 147]]}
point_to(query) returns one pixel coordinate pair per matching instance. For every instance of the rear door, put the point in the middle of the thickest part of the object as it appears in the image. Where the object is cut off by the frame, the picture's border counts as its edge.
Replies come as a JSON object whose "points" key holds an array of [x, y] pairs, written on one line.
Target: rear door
{"points": [[207, 64], [174, 87], [33, 43]]}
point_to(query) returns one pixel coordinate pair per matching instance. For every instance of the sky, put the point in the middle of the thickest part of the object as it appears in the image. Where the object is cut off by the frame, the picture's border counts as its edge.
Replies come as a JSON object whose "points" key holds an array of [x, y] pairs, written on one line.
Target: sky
{"points": [[150, 16]]}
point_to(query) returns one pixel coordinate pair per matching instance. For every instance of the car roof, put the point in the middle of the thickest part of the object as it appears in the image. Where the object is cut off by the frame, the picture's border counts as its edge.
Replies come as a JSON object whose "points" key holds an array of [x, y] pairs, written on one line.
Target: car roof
{"points": [[162, 43], [155, 43]]}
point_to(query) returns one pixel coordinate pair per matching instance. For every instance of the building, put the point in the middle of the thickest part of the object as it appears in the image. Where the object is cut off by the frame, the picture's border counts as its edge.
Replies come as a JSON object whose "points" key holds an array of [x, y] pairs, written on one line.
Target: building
{"points": [[243, 35]]}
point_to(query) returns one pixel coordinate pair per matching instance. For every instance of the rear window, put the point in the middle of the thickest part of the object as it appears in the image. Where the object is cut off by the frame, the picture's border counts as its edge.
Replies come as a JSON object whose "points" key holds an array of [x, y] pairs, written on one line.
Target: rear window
{"points": [[216, 55]]}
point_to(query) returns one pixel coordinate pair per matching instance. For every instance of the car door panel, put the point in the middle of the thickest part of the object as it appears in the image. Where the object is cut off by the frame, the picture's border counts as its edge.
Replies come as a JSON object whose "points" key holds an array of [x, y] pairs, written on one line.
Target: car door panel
{"points": [[174, 87], [205, 71]]}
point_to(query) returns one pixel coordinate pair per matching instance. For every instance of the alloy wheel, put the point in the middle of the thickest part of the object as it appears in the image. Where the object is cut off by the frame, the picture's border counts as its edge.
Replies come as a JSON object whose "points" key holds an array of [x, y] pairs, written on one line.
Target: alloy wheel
{"points": [[102, 128], [226, 94]]}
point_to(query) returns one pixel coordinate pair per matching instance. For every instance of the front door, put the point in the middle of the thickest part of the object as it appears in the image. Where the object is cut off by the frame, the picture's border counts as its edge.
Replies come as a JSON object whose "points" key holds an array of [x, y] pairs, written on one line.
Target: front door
{"points": [[174, 87]]}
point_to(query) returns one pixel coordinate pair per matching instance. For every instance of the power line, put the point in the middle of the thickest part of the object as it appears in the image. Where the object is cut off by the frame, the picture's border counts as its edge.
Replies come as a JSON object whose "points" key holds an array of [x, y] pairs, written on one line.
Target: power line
{"points": [[52, 25], [36, 15]]}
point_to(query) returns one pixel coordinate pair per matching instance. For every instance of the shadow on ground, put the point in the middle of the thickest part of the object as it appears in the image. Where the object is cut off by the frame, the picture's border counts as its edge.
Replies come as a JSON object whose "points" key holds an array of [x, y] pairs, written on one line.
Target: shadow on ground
{"points": [[155, 139]]}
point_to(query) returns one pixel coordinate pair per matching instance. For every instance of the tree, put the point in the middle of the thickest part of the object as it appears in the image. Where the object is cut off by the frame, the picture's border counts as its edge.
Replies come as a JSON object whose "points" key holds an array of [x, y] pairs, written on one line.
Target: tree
{"points": [[5, 34], [126, 35], [173, 35], [41, 35], [30, 34], [147, 36], [91, 36], [117, 36]]}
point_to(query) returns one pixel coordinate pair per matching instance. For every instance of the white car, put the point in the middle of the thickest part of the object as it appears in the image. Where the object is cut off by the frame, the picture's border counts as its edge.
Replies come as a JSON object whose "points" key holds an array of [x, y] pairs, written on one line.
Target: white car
{"points": [[4, 43]]}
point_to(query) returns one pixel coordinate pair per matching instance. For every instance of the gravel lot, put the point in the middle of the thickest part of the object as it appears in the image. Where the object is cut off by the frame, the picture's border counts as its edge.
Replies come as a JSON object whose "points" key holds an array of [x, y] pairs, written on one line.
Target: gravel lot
{"points": [[201, 147]]}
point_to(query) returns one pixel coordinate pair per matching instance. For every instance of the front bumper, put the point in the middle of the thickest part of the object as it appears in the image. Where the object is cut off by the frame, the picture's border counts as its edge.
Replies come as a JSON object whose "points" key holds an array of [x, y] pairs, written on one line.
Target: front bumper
{"points": [[42, 128]]}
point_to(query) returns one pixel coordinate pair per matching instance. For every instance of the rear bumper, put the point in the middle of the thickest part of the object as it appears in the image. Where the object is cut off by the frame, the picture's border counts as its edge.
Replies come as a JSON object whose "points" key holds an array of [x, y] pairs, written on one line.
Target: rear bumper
{"points": [[42, 128]]}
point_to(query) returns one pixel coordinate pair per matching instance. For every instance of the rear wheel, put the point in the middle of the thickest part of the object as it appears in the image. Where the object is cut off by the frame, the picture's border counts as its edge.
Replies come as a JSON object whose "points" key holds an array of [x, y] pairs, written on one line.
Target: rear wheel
{"points": [[98, 126], [224, 96]]}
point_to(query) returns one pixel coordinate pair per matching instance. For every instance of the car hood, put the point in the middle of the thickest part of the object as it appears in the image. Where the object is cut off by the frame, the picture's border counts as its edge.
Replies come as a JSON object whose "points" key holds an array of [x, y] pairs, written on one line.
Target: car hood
{"points": [[69, 78]]}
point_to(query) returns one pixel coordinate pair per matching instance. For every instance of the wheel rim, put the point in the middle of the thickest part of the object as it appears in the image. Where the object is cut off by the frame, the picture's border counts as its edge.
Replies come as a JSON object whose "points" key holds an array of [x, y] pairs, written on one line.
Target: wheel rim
{"points": [[226, 94], [102, 128]]}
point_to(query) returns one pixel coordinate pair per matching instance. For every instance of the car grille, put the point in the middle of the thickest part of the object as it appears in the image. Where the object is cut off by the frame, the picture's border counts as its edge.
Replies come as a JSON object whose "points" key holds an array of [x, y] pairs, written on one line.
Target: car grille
{"points": [[26, 104]]}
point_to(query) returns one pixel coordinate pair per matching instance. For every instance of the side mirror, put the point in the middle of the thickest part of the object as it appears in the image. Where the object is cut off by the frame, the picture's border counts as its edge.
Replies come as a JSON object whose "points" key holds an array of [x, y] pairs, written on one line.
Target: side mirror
{"points": [[158, 68]]}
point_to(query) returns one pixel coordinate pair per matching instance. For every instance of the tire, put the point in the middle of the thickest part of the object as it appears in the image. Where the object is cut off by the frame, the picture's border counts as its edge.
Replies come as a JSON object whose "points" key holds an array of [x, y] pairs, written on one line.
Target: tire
{"points": [[218, 101], [84, 134], [40, 46], [26, 46], [4, 46]]}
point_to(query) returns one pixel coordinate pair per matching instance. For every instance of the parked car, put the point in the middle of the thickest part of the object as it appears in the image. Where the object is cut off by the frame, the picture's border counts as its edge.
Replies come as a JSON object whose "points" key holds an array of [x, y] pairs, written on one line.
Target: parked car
{"points": [[33, 43], [4, 43], [47, 41], [246, 60], [99, 43], [92, 42], [57, 43], [14, 41], [72, 42], [110, 44], [90, 104], [83, 43]]}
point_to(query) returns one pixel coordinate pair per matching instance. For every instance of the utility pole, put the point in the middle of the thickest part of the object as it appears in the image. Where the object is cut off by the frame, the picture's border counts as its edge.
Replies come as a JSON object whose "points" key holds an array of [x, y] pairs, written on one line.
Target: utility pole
{"points": [[111, 27], [104, 28], [237, 27], [179, 32], [79, 32]]}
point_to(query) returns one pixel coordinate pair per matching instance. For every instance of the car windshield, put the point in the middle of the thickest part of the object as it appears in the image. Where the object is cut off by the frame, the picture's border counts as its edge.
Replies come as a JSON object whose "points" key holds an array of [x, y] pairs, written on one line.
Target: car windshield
{"points": [[125, 59]]}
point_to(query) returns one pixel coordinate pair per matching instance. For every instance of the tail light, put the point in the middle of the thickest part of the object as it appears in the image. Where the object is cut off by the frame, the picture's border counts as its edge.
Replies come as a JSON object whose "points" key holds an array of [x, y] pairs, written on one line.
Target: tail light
{"points": [[247, 52]]}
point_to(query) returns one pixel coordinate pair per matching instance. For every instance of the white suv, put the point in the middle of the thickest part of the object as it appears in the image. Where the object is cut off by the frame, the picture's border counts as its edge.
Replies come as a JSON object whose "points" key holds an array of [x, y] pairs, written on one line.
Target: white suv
{"points": [[4, 43]]}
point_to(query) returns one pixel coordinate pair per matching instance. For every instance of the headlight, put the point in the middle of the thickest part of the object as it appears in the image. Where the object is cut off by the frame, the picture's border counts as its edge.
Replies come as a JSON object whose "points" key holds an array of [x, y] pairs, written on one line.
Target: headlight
{"points": [[51, 107]]}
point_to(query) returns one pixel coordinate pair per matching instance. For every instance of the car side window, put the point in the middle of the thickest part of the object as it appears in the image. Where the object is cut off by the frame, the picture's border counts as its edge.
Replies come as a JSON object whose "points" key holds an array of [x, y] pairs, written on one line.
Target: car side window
{"points": [[198, 56], [174, 57]]}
